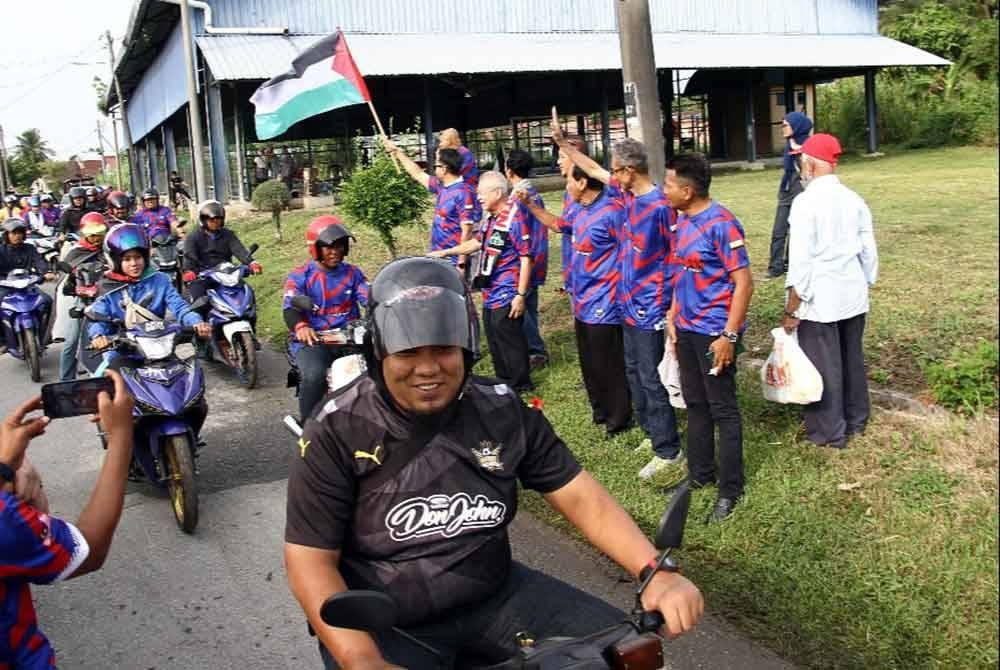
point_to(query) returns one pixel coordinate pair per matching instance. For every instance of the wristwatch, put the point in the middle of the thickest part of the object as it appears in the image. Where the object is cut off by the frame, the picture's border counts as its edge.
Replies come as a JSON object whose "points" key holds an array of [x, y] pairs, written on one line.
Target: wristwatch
{"points": [[6, 474], [652, 566], [731, 336], [523, 295], [791, 315]]}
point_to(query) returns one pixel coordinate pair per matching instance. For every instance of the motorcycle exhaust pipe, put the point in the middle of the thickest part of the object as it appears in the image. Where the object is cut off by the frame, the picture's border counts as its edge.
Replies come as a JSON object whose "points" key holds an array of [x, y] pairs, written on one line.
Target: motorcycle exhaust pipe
{"points": [[293, 426]]}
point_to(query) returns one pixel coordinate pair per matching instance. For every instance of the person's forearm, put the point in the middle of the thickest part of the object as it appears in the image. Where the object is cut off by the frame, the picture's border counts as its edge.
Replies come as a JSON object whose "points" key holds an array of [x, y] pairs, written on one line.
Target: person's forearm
{"points": [[741, 300], [411, 167], [793, 300], [99, 518], [467, 247], [545, 217], [588, 506], [524, 275], [312, 583], [593, 169]]}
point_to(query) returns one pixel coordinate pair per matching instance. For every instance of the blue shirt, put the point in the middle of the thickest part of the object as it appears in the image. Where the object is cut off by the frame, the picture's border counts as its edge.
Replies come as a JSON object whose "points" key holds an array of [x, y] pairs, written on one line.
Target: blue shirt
{"points": [[570, 210], [154, 283], [502, 287], [597, 231], [338, 293], [539, 239], [454, 207], [154, 221]]}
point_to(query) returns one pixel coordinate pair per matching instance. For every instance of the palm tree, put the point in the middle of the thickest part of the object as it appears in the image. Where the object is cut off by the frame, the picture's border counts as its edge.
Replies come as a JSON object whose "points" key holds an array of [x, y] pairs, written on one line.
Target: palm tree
{"points": [[31, 148]]}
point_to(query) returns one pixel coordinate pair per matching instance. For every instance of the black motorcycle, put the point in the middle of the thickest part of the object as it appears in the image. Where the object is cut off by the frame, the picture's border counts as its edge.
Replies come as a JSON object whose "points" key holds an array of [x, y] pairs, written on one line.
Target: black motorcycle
{"points": [[633, 644]]}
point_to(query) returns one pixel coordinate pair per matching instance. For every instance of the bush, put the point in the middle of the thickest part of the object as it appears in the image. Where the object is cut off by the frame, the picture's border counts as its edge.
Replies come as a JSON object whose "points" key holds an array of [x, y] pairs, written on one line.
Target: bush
{"points": [[272, 196], [384, 198], [967, 381]]}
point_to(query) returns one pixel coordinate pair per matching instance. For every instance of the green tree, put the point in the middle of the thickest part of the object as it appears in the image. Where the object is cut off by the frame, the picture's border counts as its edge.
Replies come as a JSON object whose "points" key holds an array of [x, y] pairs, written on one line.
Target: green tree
{"points": [[29, 154], [382, 197], [272, 196]]}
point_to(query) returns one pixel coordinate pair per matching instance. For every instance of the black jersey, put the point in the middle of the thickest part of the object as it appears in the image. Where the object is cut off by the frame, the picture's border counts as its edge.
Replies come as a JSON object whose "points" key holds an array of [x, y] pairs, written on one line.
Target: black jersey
{"points": [[433, 535]]}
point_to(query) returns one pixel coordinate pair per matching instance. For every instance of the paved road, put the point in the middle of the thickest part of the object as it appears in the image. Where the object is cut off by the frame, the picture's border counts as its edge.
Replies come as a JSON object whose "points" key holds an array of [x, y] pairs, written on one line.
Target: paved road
{"points": [[218, 600]]}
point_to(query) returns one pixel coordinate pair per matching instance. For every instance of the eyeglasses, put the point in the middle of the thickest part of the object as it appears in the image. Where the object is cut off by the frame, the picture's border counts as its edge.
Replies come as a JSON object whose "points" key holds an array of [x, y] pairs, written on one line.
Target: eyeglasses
{"points": [[439, 165], [616, 170]]}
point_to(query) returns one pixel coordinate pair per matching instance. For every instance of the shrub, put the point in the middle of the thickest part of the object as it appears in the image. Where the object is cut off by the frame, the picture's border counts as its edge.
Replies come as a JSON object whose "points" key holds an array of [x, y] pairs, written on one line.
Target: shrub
{"points": [[272, 196], [384, 198], [967, 380]]}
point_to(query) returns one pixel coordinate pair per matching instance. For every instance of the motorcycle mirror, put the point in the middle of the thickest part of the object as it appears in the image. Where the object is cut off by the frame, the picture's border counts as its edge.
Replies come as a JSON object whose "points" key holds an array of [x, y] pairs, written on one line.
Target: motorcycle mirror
{"points": [[369, 611], [670, 532], [199, 303], [75, 313], [253, 248], [303, 303]]}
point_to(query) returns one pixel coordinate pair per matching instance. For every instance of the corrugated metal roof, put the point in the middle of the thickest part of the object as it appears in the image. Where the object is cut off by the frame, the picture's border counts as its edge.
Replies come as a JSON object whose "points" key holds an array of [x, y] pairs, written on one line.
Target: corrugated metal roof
{"points": [[255, 57]]}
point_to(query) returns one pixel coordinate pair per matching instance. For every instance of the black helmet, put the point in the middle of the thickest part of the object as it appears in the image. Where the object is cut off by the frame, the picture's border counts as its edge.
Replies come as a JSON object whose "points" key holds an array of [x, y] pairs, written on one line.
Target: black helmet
{"points": [[419, 302], [150, 193], [119, 200], [211, 209], [10, 200], [91, 192], [77, 192], [13, 224]]}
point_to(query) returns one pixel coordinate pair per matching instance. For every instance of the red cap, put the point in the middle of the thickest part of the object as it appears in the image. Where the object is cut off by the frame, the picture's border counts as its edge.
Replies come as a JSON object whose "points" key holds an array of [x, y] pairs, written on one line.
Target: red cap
{"points": [[824, 147]]}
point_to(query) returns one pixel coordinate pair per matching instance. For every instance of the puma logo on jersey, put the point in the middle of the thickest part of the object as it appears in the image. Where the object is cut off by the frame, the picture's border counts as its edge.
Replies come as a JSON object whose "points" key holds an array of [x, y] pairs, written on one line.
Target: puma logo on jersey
{"points": [[375, 455], [303, 445]]}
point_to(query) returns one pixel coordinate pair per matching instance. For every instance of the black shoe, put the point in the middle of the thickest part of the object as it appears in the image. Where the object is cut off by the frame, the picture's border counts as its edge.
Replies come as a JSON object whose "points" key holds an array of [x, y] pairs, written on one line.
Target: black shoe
{"points": [[611, 432], [135, 473], [723, 508], [537, 361]]}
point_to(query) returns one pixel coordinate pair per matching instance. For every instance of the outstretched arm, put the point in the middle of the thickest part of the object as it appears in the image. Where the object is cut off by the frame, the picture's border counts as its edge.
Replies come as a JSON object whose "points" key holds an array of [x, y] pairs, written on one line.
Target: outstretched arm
{"points": [[411, 168], [547, 218], [593, 169]]}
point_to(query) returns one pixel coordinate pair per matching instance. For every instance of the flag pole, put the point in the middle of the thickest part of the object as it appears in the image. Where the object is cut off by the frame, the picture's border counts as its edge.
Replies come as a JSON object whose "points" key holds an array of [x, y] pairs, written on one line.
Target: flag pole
{"points": [[381, 130]]}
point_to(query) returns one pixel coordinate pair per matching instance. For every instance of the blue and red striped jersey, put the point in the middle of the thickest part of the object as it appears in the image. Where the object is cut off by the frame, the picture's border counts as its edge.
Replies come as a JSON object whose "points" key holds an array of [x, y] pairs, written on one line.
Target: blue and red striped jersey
{"points": [[597, 231], [643, 286], [709, 247], [539, 238], [507, 270], [338, 293], [470, 174], [455, 204], [35, 548], [154, 221], [569, 212]]}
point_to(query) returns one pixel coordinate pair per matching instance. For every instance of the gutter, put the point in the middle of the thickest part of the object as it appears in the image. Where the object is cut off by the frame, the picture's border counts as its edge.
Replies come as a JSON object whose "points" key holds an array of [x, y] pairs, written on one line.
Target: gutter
{"points": [[212, 30]]}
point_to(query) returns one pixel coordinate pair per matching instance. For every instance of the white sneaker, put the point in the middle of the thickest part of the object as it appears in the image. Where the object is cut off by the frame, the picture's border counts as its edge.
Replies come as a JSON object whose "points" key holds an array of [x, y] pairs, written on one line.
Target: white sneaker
{"points": [[658, 465], [645, 445]]}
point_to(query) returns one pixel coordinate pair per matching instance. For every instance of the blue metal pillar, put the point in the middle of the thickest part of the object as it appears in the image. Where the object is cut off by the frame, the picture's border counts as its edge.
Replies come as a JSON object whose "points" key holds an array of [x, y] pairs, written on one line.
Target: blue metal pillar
{"points": [[217, 144], [169, 148]]}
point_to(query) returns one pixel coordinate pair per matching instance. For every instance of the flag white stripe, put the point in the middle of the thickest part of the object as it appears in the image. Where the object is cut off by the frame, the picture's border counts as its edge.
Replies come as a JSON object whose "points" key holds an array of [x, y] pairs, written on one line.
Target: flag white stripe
{"points": [[271, 98]]}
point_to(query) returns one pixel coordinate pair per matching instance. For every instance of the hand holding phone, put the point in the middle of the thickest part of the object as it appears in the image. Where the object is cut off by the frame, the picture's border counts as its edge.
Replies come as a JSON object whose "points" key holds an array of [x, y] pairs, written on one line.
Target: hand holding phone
{"points": [[75, 398]]}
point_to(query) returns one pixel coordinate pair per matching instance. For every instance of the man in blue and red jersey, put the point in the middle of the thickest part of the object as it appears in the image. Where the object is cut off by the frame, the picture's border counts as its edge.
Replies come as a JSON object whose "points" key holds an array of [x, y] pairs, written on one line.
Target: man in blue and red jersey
{"points": [[36, 548], [570, 207], [337, 289], [154, 218], [453, 210], [597, 232], [643, 289], [450, 139], [504, 275], [518, 169], [712, 286]]}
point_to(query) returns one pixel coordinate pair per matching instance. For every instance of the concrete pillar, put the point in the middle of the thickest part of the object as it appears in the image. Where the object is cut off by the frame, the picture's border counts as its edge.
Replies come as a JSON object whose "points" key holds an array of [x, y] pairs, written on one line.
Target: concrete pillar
{"points": [[217, 144], [750, 120], [871, 111]]}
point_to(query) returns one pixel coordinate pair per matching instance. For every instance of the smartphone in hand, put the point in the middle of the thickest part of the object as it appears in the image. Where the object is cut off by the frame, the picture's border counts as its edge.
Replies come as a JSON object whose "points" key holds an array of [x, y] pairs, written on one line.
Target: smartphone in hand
{"points": [[75, 398]]}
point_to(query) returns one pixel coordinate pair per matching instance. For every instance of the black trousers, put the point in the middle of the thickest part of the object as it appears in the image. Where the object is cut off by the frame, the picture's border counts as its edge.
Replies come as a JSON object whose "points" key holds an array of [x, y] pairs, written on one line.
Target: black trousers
{"points": [[778, 264], [711, 403], [508, 347], [602, 364], [836, 351], [485, 633]]}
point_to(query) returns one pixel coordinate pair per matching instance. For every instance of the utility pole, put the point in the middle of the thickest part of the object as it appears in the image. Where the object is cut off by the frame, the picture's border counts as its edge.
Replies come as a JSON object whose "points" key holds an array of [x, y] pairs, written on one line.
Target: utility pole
{"points": [[100, 145], [4, 177], [642, 99], [121, 107], [118, 155], [194, 111]]}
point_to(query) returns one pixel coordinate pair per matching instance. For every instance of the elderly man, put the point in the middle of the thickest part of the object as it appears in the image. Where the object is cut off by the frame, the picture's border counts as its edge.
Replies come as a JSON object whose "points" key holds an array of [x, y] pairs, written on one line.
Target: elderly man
{"points": [[453, 220], [643, 291], [712, 286], [504, 275], [450, 139], [832, 261]]}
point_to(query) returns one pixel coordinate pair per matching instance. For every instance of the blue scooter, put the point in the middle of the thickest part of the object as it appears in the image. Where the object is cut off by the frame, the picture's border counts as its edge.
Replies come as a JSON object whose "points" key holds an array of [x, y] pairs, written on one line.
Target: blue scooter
{"points": [[233, 312], [24, 314], [168, 385]]}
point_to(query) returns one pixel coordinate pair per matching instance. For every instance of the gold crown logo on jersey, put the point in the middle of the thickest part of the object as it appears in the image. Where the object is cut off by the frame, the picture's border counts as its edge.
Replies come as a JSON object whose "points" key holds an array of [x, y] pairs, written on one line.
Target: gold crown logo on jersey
{"points": [[488, 456]]}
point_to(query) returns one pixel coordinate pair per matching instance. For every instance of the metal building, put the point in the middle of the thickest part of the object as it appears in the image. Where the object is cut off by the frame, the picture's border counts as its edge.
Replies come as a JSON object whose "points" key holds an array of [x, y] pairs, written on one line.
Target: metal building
{"points": [[502, 64]]}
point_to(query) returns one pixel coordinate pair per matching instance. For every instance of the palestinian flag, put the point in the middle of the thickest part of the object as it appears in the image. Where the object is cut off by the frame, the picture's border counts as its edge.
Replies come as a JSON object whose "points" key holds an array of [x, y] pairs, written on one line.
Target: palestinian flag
{"points": [[323, 77]]}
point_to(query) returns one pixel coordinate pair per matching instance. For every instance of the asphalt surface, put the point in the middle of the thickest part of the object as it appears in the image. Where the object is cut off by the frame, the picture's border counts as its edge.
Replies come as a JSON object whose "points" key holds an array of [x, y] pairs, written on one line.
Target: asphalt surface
{"points": [[218, 599]]}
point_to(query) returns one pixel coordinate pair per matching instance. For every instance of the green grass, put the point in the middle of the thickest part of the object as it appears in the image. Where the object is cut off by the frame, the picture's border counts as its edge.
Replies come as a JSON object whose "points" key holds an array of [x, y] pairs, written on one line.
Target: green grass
{"points": [[896, 568]]}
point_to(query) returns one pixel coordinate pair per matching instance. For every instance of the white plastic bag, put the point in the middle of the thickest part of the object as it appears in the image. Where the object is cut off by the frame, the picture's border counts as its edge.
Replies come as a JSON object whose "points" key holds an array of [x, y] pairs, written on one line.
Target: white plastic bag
{"points": [[670, 374], [788, 376]]}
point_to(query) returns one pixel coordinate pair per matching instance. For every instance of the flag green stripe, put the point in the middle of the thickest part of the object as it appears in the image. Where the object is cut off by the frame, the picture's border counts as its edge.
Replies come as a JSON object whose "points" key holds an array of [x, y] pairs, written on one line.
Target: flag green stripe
{"points": [[338, 93]]}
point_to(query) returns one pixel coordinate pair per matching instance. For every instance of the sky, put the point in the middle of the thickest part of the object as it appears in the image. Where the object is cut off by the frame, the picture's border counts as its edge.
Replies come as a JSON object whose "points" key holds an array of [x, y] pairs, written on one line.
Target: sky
{"points": [[49, 55]]}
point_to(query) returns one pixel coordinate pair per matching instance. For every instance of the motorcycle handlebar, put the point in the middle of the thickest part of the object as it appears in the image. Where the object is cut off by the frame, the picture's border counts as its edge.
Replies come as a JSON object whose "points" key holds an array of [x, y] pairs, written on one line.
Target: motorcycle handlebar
{"points": [[650, 622]]}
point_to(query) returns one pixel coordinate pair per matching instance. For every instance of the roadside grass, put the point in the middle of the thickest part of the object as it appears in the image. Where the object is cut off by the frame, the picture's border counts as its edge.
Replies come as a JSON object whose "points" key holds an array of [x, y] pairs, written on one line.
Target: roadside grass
{"points": [[883, 555]]}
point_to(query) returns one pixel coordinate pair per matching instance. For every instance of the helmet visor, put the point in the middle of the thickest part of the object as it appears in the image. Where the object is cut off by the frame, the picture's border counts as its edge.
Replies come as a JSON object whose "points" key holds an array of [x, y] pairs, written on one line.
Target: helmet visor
{"points": [[422, 316]]}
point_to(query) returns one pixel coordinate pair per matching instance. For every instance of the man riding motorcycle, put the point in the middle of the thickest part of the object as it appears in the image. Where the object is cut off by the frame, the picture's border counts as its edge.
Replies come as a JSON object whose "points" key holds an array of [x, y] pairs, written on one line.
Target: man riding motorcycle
{"points": [[16, 255], [69, 221], [35, 217], [119, 207], [10, 209], [155, 218], [50, 210], [89, 249], [211, 245], [406, 480], [337, 288]]}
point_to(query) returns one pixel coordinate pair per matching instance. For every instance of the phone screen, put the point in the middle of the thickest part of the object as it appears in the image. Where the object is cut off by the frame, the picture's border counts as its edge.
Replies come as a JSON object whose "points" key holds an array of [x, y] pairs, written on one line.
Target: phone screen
{"points": [[74, 398]]}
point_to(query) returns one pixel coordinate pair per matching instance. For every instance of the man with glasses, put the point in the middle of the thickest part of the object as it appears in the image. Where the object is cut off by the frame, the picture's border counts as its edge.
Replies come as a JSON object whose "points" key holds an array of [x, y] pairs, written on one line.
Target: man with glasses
{"points": [[453, 212], [503, 273], [643, 289]]}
